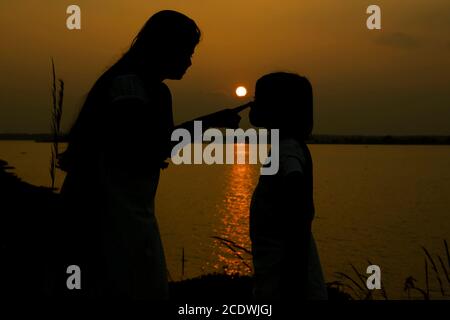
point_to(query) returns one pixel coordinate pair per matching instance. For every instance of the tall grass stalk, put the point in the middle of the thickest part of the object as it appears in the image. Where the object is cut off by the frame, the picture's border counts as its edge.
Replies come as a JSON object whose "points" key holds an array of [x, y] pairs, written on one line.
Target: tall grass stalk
{"points": [[57, 109]]}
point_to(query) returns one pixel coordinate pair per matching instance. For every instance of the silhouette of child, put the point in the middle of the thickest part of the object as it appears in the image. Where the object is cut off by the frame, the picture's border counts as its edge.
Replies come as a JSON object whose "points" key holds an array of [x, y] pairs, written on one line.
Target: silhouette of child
{"points": [[285, 258], [116, 149]]}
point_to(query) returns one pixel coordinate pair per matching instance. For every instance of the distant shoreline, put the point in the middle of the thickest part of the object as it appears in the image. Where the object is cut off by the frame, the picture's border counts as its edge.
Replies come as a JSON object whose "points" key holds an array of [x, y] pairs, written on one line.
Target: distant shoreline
{"points": [[315, 139]]}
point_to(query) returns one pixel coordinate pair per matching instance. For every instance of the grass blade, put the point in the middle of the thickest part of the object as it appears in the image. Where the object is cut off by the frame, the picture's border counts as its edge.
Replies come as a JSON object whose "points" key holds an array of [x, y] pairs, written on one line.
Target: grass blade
{"points": [[444, 268], [427, 284], [447, 252], [342, 274], [433, 265], [233, 244]]}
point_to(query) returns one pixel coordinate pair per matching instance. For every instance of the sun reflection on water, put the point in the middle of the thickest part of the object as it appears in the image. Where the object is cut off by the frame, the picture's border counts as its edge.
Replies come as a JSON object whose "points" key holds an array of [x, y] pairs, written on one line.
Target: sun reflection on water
{"points": [[234, 217]]}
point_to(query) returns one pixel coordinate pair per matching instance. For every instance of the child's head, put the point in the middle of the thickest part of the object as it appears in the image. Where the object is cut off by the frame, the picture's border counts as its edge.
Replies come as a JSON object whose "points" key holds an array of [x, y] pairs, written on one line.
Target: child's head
{"points": [[283, 101]]}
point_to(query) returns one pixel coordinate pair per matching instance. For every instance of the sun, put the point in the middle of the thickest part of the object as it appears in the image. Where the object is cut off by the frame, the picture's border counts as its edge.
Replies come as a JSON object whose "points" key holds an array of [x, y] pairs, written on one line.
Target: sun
{"points": [[241, 91]]}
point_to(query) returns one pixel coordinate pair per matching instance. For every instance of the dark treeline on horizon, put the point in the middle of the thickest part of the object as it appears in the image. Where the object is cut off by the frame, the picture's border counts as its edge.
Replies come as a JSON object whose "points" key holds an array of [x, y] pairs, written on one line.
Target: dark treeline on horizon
{"points": [[314, 139]]}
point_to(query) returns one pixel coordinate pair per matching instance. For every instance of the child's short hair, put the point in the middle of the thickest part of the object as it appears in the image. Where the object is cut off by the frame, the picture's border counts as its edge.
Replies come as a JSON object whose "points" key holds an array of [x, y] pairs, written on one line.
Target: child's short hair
{"points": [[289, 98]]}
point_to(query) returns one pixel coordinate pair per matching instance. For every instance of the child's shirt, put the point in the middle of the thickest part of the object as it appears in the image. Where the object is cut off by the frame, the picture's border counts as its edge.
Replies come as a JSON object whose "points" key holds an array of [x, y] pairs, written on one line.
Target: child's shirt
{"points": [[265, 215], [268, 231]]}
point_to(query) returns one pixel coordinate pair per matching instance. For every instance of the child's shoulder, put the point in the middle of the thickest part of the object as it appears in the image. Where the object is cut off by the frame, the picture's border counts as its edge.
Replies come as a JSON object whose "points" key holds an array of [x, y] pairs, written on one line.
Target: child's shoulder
{"points": [[293, 157]]}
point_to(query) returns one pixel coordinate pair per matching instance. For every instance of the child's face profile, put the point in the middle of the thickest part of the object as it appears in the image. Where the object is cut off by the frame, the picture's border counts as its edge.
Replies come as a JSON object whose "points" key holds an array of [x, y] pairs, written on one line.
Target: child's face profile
{"points": [[260, 112], [256, 116]]}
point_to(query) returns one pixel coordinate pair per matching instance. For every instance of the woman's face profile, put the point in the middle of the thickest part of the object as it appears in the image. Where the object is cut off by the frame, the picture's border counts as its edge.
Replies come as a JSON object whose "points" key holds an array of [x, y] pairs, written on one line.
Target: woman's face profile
{"points": [[177, 64]]}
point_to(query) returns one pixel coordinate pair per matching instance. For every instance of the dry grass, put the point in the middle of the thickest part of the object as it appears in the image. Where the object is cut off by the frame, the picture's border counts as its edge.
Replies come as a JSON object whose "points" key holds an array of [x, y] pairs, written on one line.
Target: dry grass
{"points": [[356, 284]]}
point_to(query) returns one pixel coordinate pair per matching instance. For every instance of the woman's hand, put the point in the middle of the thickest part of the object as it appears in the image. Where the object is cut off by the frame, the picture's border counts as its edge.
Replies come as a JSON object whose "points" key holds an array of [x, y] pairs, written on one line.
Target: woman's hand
{"points": [[227, 118]]}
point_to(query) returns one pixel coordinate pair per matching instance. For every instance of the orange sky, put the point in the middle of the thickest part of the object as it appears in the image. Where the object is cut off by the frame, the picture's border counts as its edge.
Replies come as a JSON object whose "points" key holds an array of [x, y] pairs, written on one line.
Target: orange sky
{"points": [[393, 81]]}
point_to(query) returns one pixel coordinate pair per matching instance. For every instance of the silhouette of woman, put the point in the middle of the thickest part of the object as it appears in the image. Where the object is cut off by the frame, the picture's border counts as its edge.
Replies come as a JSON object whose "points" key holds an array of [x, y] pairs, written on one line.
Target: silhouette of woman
{"points": [[116, 149]]}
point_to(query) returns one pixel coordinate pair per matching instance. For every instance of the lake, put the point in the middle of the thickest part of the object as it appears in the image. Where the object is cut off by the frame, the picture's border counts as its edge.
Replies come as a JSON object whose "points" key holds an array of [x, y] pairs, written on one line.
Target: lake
{"points": [[373, 203]]}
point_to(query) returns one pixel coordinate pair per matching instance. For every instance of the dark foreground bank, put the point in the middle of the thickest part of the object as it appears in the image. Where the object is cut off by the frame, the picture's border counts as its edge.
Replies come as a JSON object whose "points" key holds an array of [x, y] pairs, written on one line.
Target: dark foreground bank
{"points": [[28, 220]]}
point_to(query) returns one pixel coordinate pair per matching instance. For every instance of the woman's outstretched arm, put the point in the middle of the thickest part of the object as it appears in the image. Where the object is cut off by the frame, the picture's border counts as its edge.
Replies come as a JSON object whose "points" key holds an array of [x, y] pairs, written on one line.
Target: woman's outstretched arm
{"points": [[226, 118]]}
